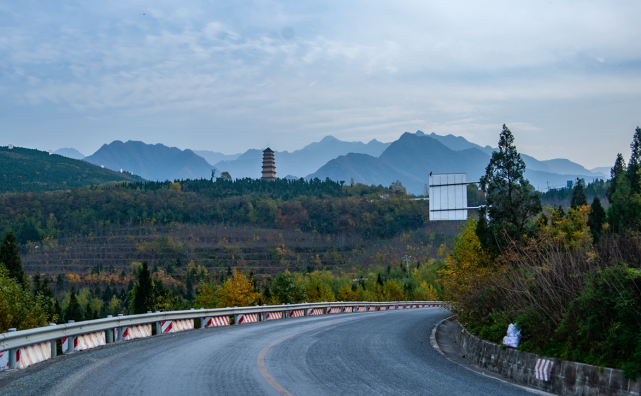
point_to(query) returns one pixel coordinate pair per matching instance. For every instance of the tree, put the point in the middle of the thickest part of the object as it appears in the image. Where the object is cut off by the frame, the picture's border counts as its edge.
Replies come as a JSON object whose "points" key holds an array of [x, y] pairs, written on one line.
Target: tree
{"points": [[617, 170], [578, 194], [10, 258], [624, 213], [510, 199], [28, 233], [596, 218], [397, 188], [285, 290], [73, 311], [143, 296], [238, 291], [635, 162], [225, 176], [18, 307]]}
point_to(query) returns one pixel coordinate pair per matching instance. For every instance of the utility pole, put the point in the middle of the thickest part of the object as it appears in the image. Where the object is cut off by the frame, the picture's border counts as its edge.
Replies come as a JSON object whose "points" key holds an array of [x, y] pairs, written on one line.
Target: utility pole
{"points": [[407, 264]]}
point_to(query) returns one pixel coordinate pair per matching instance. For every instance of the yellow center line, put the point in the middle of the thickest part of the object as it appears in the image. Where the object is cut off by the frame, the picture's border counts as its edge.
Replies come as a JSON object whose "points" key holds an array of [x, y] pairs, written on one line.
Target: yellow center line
{"points": [[260, 361]]}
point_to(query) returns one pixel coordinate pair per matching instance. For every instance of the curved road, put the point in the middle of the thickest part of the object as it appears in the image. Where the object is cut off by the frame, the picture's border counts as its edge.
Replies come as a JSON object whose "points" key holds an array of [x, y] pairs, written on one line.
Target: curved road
{"points": [[377, 353]]}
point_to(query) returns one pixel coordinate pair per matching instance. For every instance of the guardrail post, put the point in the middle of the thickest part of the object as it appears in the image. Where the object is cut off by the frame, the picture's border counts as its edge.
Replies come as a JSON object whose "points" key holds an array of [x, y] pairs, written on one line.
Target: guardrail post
{"points": [[158, 326], [71, 340], [110, 334], [54, 351], [13, 361], [121, 329], [203, 320], [285, 313], [235, 317]]}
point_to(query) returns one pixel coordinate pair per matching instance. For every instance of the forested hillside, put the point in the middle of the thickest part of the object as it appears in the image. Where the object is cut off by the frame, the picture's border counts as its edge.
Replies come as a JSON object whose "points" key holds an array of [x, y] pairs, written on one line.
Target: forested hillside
{"points": [[27, 170], [82, 210]]}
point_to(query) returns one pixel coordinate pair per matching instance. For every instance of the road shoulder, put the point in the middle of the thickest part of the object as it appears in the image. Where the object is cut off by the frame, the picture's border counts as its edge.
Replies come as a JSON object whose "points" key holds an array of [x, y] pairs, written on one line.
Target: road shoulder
{"points": [[442, 339]]}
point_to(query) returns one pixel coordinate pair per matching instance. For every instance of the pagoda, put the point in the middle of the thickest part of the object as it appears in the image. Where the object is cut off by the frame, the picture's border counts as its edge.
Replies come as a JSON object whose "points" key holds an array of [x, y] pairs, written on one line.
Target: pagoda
{"points": [[269, 165]]}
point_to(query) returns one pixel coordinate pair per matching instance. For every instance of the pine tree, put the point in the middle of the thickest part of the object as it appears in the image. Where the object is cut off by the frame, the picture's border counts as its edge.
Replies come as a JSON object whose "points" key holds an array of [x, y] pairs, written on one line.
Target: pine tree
{"points": [[379, 280], [596, 218], [617, 170], [142, 300], [635, 162], [578, 194], [88, 311], [10, 257], [74, 311], [510, 199], [60, 283]]}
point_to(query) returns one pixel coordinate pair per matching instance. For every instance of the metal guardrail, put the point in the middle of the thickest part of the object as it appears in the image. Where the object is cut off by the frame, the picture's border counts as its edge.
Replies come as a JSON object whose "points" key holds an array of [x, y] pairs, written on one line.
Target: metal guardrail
{"points": [[18, 339]]}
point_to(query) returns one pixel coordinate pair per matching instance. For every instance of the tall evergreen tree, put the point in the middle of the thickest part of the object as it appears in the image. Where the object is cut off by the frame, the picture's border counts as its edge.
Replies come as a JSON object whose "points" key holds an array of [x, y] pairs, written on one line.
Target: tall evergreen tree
{"points": [[73, 311], [617, 170], [89, 314], [578, 194], [11, 258], [624, 213], [635, 162], [143, 292], [596, 219], [510, 199]]}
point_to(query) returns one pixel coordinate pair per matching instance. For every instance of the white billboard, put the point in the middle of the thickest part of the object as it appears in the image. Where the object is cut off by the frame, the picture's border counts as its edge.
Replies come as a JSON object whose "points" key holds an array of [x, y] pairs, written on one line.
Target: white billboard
{"points": [[448, 196]]}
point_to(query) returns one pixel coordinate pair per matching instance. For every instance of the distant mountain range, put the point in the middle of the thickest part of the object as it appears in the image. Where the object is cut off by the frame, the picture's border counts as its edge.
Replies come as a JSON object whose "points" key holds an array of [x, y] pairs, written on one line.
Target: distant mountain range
{"points": [[28, 170], [70, 153], [152, 161], [300, 162], [412, 157]]}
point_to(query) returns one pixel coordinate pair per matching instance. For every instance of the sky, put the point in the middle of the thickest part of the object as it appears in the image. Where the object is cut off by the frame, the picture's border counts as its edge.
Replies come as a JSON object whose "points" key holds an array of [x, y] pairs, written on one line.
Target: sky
{"points": [[228, 76]]}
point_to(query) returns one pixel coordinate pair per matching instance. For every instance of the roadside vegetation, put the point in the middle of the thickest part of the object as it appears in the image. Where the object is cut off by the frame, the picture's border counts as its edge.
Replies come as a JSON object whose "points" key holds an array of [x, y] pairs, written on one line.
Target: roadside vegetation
{"points": [[570, 279]]}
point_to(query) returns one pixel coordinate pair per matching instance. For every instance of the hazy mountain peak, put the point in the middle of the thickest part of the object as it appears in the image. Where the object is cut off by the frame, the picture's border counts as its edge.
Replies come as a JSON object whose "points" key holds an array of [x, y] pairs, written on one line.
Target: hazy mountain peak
{"points": [[70, 153], [151, 161]]}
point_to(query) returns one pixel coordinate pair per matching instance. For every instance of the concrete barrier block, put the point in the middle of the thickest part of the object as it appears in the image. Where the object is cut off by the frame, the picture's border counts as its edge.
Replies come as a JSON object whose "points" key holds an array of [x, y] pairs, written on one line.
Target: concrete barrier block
{"points": [[617, 381], [634, 387]]}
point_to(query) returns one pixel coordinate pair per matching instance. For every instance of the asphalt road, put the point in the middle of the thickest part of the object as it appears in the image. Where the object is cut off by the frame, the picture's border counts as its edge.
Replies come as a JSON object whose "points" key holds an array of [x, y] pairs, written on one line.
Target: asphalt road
{"points": [[374, 353]]}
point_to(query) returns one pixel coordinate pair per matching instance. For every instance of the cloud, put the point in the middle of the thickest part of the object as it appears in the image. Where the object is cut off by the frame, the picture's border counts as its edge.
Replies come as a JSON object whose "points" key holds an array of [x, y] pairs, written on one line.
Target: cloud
{"points": [[357, 69]]}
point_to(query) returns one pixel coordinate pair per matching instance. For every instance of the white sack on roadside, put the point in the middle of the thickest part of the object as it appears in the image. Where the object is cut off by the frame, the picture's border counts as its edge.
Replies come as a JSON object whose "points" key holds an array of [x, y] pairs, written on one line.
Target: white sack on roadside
{"points": [[513, 336]]}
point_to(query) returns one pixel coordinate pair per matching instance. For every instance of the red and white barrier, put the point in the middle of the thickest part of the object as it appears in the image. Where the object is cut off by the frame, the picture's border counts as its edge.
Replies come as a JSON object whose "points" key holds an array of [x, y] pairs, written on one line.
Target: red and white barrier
{"points": [[297, 313], [174, 326], [273, 315], [334, 310], [399, 307], [217, 321], [382, 308], [4, 360], [138, 331], [32, 354], [361, 309], [543, 369], [246, 318], [348, 309], [314, 311], [371, 308], [414, 306], [391, 307], [26, 356], [84, 341]]}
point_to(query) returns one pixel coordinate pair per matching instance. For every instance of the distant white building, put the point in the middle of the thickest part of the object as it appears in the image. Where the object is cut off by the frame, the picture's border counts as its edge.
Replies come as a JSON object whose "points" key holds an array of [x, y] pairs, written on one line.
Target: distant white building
{"points": [[11, 147], [50, 152]]}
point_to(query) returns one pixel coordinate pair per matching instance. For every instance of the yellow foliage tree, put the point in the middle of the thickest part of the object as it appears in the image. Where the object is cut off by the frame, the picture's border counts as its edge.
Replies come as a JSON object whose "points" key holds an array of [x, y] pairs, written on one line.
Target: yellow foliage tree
{"points": [[468, 266], [237, 291]]}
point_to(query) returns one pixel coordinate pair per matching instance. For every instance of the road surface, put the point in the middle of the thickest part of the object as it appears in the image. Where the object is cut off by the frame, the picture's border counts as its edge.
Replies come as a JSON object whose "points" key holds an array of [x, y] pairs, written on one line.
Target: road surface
{"points": [[373, 353]]}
